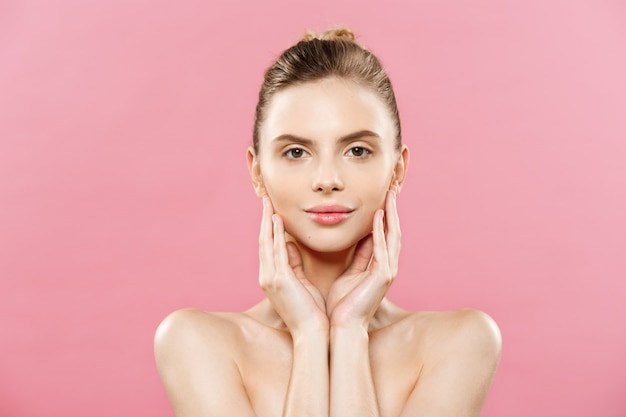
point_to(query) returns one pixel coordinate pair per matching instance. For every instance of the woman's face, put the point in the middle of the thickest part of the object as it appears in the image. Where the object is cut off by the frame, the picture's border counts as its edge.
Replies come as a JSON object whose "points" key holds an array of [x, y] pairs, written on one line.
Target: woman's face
{"points": [[327, 157]]}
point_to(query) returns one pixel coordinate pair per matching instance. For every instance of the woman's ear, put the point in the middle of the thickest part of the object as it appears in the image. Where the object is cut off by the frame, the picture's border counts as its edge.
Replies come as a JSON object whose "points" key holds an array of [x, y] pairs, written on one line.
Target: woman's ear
{"points": [[255, 172], [402, 165]]}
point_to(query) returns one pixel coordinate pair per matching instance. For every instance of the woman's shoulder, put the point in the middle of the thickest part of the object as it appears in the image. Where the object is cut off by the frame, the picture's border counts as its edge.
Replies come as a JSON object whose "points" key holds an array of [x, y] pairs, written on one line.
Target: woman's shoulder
{"points": [[211, 330], [454, 321], [197, 326], [438, 352], [198, 358], [460, 332]]}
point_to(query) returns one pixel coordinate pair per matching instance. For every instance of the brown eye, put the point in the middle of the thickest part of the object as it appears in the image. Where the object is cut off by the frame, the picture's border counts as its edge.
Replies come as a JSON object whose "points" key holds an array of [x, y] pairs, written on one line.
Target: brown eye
{"points": [[295, 153], [358, 152]]}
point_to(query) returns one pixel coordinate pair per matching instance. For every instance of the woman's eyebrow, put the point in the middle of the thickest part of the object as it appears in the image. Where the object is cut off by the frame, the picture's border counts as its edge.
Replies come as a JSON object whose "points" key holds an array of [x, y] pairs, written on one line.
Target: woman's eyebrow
{"points": [[358, 135], [347, 138], [292, 138]]}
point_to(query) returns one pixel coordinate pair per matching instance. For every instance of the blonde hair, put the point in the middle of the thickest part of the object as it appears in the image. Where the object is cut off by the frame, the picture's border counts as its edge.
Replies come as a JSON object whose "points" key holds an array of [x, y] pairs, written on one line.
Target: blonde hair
{"points": [[334, 52]]}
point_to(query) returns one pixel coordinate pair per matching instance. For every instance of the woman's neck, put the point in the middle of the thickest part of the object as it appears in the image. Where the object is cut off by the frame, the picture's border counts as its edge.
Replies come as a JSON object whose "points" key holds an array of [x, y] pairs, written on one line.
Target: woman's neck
{"points": [[322, 269]]}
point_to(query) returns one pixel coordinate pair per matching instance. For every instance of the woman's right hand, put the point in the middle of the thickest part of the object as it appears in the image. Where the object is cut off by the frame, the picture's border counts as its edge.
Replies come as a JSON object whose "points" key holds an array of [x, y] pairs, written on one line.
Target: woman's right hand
{"points": [[298, 302]]}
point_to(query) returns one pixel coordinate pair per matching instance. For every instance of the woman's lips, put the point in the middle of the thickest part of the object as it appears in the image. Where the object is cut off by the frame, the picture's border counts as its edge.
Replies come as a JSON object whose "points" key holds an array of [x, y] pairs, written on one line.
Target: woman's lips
{"points": [[329, 214]]}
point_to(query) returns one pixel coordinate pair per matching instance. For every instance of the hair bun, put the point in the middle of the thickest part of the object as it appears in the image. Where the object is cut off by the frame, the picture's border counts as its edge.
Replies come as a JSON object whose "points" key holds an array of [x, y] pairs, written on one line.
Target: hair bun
{"points": [[332, 34]]}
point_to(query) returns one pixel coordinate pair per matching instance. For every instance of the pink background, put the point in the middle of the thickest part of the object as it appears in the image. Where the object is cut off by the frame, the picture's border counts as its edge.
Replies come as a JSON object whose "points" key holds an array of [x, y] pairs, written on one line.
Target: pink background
{"points": [[124, 193]]}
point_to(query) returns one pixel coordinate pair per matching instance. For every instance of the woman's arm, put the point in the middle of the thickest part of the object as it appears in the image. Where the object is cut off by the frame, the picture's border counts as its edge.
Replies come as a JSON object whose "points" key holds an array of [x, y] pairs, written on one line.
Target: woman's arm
{"points": [[352, 387], [302, 309], [352, 302], [307, 394]]}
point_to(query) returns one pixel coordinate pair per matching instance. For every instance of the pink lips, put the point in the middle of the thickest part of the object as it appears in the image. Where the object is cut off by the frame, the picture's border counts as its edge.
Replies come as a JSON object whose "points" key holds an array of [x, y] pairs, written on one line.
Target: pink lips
{"points": [[329, 214]]}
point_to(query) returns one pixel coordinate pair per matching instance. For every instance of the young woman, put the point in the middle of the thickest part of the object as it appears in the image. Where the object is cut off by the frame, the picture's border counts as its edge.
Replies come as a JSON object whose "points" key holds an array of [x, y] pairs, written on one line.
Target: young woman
{"points": [[328, 163]]}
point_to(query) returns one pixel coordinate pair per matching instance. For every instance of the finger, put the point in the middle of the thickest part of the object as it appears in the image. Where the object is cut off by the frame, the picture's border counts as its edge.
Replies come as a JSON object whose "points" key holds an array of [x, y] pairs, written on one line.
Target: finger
{"points": [[380, 246], [280, 248], [295, 260], [362, 254], [393, 232], [266, 251], [396, 188], [266, 220]]}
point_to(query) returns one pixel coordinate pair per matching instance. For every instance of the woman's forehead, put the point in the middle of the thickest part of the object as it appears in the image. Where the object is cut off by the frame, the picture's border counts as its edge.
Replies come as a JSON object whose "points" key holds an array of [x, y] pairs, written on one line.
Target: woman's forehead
{"points": [[332, 107]]}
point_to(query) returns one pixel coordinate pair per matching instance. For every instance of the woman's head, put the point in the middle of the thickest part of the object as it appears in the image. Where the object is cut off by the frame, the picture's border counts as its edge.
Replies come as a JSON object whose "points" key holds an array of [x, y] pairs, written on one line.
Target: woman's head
{"points": [[326, 140], [333, 53]]}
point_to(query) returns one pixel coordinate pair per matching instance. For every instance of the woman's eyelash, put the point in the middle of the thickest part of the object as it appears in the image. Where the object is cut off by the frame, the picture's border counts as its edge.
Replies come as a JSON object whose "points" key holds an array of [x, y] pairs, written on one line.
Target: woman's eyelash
{"points": [[295, 153], [359, 152], [353, 152]]}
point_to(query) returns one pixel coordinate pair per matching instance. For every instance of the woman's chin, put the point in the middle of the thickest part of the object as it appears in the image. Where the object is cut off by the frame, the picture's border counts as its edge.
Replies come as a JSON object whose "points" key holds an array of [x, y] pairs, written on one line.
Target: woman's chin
{"points": [[329, 245], [328, 249], [321, 244]]}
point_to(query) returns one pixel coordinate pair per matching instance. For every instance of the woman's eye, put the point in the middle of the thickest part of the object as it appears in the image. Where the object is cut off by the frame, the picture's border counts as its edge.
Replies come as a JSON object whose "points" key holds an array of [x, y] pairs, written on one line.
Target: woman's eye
{"points": [[358, 152], [295, 153]]}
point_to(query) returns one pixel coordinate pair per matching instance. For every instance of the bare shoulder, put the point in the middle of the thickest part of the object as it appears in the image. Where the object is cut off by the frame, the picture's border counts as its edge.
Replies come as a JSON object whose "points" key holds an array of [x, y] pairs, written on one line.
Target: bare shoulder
{"points": [[460, 351], [196, 354], [192, 331], [193, 325], [464, 335], [460, 329], [442, 328]]}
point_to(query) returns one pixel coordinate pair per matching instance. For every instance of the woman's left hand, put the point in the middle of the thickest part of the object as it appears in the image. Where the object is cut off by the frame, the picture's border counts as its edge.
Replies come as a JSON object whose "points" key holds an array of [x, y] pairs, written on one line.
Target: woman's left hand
{"points": [[356, 294]]}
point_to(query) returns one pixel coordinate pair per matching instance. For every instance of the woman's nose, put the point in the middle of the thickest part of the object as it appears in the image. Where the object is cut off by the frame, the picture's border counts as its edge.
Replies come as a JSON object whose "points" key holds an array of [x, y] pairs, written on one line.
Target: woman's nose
{"points": [[327, 178]]}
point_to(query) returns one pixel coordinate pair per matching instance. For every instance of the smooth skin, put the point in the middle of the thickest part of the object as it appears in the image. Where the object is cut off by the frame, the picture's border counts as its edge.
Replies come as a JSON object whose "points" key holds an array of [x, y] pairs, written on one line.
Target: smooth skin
{"points": [[326, 341]]}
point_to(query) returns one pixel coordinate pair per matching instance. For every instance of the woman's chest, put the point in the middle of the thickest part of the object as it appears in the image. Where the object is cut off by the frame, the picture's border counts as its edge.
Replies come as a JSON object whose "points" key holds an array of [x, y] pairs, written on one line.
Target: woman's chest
{"points": [[266, 371]]}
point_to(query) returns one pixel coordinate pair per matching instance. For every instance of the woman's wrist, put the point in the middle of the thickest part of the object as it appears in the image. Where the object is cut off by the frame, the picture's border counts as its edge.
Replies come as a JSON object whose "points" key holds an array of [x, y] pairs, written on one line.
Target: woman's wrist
{"points": [[356, 330], [306, 335], [351, 324]]}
